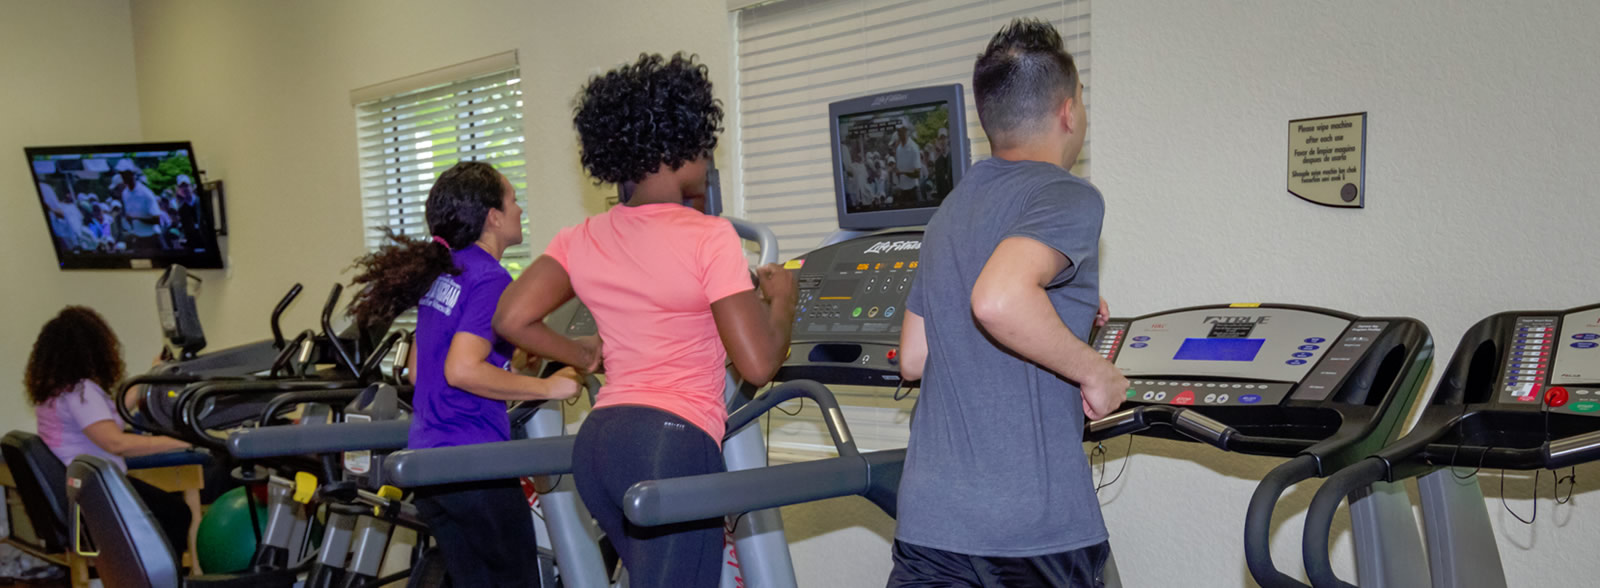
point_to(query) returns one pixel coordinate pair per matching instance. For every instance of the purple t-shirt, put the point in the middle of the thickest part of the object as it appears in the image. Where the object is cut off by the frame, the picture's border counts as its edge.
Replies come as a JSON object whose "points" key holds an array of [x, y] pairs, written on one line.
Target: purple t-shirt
{"points": [[444, 415], [62, 420]]}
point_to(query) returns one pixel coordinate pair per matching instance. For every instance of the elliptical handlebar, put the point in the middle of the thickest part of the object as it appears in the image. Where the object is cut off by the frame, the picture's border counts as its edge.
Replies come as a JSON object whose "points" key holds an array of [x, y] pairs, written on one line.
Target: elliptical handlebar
{"points": [[345, 359], [277, 313]]}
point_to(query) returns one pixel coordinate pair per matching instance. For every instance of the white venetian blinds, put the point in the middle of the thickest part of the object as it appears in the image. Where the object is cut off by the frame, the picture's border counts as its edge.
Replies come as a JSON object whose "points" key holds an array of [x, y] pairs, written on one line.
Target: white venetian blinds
{"points": [[411, 130], [796, 56]]}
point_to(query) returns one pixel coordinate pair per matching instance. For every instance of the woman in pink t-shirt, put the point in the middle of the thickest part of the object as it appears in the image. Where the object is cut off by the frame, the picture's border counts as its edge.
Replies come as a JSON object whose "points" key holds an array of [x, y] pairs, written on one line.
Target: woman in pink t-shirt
{"points": [[671, 294], [75, 360]]}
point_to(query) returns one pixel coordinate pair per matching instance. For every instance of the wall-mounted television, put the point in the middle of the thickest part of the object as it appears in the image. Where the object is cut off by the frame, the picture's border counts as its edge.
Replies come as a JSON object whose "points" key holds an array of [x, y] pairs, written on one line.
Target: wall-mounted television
{"points": [[896, 155], [133, 206]]}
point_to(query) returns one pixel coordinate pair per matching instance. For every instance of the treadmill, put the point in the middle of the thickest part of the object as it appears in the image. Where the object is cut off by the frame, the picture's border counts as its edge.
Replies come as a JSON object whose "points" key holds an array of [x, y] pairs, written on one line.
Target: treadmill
{"points": [[547, 452], [1522, 392], [1320, 387]]}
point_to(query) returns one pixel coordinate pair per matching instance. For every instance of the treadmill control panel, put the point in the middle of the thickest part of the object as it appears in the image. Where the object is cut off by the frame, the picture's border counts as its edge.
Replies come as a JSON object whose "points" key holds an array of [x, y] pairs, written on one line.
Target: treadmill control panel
{"points": [[852, 297], [1236, 355], [1554, 359]]}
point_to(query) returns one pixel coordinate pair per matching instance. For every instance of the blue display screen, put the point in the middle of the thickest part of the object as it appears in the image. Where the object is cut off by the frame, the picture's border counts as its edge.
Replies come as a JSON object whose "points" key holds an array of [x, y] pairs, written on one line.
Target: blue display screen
{"points": [[1219, 349]]}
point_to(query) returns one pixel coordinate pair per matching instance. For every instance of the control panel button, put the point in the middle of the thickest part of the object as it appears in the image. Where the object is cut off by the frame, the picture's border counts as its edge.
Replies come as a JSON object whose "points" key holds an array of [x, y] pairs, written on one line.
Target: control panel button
{"points": [[1138, 345], [893, 355], [1302, 354], [855, 313], [1141, 338], [1296, 362], [1315, 340], [1586, 406], [888, 312], [1186, 397], [1556, 396], [1249, 399], [1310, 347], [1586, 345], [1586, 336]]}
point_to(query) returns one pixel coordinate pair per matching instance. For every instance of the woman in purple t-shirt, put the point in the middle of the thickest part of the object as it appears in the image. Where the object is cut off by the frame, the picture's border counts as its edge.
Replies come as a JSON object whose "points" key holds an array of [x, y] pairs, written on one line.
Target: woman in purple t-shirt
{"points": [[460, 367], [74, 361]]}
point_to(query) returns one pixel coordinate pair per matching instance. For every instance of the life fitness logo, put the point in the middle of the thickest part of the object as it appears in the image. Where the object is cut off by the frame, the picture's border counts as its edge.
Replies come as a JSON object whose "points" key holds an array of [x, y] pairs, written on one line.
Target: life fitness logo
{"points": [[888, 98], [891, 246]]}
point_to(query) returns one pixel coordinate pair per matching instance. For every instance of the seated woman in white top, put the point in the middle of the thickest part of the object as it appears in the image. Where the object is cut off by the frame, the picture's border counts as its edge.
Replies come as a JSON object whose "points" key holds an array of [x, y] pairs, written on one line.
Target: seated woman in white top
{"points": [[74, 360]]}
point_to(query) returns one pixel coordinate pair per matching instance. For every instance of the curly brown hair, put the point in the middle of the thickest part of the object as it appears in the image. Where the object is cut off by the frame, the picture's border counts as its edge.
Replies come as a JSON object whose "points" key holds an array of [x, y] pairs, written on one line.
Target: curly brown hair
{"points": [[74, 346]]}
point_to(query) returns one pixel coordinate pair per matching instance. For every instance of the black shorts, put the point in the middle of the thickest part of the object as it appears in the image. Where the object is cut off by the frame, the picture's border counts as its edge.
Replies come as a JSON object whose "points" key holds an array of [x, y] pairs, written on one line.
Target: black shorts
{"points": [[925, 567]]}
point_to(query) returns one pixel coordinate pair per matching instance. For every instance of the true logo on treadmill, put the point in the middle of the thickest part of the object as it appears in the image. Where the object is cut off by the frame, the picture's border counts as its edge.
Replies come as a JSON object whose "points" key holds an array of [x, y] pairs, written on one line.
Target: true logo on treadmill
{"points": [[1236, 320], [891, 246]]}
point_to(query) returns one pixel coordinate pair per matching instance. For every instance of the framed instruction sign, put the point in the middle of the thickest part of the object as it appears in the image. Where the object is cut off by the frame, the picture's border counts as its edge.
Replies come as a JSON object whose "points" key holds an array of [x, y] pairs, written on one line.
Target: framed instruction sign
{"points": [[1327, 159]]}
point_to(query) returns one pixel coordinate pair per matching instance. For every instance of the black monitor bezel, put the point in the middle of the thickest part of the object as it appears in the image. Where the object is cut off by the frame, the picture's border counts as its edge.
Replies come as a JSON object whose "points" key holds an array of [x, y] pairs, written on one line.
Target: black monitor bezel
{"points": [[951, 94], [211, 258]]}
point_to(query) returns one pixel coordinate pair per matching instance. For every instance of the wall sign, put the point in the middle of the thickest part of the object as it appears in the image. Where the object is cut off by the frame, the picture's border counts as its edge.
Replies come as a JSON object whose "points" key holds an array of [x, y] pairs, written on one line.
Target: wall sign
{"points": [[1327, 159]]}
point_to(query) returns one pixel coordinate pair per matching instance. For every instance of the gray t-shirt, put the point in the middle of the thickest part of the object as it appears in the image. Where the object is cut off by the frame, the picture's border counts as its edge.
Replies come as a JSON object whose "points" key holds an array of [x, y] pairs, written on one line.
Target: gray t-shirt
{"points": [[996, 465]]}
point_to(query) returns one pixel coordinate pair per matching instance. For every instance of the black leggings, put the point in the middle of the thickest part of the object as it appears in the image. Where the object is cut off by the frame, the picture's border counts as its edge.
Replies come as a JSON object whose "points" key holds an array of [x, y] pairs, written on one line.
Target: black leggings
{"points": [[621, 445], [484, 531], [170, 511]]}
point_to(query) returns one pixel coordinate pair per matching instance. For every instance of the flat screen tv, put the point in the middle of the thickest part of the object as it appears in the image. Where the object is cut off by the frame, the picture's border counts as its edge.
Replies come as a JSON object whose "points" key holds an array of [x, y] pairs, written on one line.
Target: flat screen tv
{"points": [[896, 155], [135, 206]]}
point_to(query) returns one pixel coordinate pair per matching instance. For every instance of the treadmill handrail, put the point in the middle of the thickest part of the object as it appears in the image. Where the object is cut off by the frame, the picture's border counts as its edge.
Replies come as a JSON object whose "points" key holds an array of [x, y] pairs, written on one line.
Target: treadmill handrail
{"points": [[764, 238], [316, 439], [1315, 545], [832, 416], [149, 380], [502, 460], [689, 498], [1258, 520]]}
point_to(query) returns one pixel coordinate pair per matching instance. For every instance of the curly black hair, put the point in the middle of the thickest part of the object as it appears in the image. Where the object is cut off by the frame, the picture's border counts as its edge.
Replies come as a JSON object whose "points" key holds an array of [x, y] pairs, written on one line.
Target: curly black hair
{"points": [[655, 111], [399, 273], [1022, 76], [74, 346]]}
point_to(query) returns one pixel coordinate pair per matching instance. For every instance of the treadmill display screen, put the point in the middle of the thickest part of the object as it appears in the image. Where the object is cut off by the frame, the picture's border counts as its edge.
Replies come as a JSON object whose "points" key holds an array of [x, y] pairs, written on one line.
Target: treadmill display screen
{"points": [[1194, 349]]}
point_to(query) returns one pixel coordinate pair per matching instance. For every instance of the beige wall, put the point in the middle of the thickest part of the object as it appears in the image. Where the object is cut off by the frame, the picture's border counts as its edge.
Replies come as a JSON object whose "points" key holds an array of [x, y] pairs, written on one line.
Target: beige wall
{"points": [[262, 88], [1480, 180], [66, 77]]}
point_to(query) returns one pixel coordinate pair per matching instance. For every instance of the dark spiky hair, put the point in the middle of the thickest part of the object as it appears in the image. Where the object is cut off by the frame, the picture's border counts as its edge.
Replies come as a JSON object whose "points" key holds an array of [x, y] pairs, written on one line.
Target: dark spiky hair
{"points": [[1022, 76]]}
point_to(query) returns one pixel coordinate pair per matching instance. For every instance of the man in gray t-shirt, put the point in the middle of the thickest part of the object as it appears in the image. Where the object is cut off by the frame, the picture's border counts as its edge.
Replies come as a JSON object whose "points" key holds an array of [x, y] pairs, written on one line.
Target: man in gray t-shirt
{"points": [[996, 488]]}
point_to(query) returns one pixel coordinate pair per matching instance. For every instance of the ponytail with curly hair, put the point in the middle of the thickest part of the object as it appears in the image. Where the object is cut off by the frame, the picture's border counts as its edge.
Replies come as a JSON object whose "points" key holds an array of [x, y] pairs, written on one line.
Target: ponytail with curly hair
{"points": [[74, 346], [399, 274]]}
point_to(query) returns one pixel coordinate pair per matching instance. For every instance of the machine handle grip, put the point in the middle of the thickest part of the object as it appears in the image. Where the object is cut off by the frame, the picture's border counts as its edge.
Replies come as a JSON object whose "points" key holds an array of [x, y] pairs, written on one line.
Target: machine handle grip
{"points": [[503, 460], [277, 403], [1572, 451], [268, 442], [831, 415], [277, 313], [1202, 428], [1314, 542], [374, 361], [764, 238], [1258, 520], [692, 498], [1127, 422], [345, 359], [147, 380], [193, 397]]}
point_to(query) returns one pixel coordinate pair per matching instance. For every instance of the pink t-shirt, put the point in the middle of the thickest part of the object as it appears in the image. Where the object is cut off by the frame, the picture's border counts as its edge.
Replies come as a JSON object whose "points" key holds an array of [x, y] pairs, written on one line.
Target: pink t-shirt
{"points": [[62, 420], [649, 274]]}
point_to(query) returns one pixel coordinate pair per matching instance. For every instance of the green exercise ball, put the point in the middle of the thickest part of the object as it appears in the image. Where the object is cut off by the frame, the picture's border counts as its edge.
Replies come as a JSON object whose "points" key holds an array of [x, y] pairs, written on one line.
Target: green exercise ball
{"points": [[225, 542]]}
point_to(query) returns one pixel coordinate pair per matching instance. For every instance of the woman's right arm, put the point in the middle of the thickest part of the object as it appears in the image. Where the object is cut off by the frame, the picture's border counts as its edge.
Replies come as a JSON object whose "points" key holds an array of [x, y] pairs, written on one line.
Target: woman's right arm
{"points": [[755, 331], [519, 318], [108, 436]]}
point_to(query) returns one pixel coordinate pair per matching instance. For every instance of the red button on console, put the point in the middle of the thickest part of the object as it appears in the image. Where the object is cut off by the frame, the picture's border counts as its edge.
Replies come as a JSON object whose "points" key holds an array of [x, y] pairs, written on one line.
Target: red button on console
{"points": [[1185, 397], [1556, 396]]}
